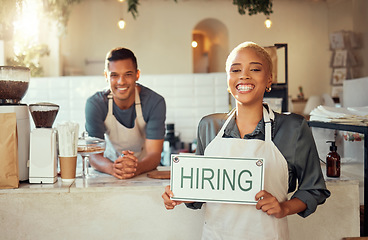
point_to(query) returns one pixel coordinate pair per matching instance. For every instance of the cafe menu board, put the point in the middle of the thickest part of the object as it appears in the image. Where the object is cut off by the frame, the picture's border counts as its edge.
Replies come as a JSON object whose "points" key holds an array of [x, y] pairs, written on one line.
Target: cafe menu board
{"points": [[216, 179]]}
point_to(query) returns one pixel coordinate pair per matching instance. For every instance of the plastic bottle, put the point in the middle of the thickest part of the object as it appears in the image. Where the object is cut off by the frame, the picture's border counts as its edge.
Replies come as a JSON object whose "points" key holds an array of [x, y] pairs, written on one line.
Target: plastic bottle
{"points": [[333, 161]]}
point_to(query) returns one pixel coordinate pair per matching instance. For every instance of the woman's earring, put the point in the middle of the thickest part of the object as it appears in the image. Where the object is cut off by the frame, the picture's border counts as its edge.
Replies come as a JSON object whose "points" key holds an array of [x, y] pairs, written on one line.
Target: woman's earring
{"points": [[268, 89], [228, 90]]}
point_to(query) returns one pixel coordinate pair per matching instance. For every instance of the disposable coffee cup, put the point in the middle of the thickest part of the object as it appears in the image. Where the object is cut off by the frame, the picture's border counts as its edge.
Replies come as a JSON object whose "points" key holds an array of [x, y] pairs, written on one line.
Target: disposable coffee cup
{"points": [[68, 166]]}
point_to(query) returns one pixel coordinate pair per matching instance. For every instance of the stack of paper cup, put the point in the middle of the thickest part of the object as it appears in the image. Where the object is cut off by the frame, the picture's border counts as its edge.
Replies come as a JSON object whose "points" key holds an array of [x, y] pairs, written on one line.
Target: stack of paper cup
{"points": [[68, 146]]}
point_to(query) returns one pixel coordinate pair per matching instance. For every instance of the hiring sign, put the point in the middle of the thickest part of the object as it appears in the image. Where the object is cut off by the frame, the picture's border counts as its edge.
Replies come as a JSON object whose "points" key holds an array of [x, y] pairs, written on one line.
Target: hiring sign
{"points": [[216, 179]]}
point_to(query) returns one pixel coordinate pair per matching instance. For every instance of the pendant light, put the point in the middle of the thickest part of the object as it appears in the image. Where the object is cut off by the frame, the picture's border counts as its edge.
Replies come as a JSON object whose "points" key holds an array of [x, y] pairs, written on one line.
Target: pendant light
{"points": [[121, 22], [268, 23]]}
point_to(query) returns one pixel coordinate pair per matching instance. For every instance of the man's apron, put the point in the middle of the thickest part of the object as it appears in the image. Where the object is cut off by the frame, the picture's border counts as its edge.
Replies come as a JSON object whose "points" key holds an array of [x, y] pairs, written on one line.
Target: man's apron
{"points": [[240, 221], [120, 138]]}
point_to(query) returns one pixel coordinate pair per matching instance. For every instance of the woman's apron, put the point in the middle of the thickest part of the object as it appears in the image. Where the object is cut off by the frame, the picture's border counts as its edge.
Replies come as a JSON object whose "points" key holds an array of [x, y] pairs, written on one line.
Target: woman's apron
{"points": [[119, 137], [240, 221]]}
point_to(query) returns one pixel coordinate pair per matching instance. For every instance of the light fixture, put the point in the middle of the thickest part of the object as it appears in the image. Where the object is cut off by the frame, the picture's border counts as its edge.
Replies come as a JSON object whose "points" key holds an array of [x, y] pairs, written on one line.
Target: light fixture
{"points": [[194, 44], [121, 23], [268, 23]]}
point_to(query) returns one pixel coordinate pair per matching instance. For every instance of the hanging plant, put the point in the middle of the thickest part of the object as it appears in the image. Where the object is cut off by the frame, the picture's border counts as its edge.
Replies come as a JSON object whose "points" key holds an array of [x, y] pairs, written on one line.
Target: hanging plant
{"points": [[252, 6], [132, 7]]}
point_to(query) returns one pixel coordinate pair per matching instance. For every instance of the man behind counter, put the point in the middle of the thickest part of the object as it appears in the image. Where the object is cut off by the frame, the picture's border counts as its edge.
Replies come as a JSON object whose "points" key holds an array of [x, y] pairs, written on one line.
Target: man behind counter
{"points": [[130, 116]]}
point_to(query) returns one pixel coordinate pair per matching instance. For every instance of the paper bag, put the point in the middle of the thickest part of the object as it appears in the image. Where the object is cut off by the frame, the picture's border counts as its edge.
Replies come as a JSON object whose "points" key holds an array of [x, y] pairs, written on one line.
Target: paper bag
{"points": [[9, 173]]}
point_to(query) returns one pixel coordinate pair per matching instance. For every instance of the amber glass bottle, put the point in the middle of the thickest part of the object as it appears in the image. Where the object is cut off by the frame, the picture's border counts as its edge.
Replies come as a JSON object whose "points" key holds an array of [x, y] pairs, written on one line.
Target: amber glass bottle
{"points": [[333, 161]]}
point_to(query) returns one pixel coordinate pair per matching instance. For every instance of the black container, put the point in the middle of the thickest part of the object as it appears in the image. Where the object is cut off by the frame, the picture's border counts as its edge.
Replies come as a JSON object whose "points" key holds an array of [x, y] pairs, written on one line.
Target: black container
{"points": [[170, 135]]}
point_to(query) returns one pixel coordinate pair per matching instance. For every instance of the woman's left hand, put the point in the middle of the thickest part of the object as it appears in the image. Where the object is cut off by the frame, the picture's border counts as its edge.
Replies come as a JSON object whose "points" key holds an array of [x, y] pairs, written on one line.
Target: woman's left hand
{"points": [[269, 204]]}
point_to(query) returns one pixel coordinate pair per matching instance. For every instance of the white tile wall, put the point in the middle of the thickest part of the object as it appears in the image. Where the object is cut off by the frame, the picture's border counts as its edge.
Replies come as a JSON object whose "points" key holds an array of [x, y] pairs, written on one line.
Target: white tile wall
{"points": [[70, 93], [188, 97]]}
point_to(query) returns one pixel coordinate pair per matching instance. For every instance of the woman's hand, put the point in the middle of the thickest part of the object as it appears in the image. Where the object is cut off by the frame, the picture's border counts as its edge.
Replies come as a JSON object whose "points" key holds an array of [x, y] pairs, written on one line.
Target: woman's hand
{"points": [[270, 205], [170, 204]]}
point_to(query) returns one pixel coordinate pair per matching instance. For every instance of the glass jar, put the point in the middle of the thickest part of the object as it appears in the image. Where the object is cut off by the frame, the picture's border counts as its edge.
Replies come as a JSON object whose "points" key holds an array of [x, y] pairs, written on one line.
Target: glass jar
{"points": [[14, 82]]}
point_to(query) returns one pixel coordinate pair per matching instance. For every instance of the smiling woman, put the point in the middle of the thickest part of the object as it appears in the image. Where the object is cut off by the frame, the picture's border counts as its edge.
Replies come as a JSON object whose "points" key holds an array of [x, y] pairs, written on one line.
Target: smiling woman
{"points": [[252, 131]]}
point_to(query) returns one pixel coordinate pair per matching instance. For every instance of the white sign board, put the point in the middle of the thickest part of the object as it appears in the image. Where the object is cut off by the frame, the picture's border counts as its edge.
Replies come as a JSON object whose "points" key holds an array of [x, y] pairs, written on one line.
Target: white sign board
{"points": [[216, 179]]}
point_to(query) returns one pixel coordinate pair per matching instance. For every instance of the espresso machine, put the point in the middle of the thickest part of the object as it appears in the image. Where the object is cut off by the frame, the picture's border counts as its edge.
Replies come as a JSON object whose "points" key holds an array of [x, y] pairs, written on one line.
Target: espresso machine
{"points": [[43, 146], [14, 82]]}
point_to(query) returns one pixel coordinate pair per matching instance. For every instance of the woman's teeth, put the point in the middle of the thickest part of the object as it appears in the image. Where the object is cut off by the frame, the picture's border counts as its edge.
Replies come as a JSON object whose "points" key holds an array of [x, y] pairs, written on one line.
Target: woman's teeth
{"points": [[242, 87]]}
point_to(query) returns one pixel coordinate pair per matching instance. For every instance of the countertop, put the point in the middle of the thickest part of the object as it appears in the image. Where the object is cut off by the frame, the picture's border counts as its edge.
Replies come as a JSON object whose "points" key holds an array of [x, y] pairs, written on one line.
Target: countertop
{"points": [[98, 182], [101, 182], [105, 207]]}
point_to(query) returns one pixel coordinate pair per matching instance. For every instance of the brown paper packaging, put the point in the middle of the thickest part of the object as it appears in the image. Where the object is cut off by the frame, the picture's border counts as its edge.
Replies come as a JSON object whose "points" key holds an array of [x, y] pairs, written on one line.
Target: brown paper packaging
{"points": [[9, 173]]}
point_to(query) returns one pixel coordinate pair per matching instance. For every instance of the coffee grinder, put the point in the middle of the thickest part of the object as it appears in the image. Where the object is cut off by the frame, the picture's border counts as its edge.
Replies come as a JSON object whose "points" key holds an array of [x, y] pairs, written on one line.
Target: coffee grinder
{"points": [[43, 147], [14, 82]]}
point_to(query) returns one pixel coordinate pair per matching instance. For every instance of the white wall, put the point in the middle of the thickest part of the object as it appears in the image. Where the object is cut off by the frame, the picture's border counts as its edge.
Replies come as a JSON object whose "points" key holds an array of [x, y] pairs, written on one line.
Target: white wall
{"points": [[360, 10], [161, 35], [352, 15], [52, 64]]}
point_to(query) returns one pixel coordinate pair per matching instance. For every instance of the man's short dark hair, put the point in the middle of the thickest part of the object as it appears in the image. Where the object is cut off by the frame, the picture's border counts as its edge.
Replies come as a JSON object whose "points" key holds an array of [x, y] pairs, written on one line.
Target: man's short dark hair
{"points": [[119, 53]]}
